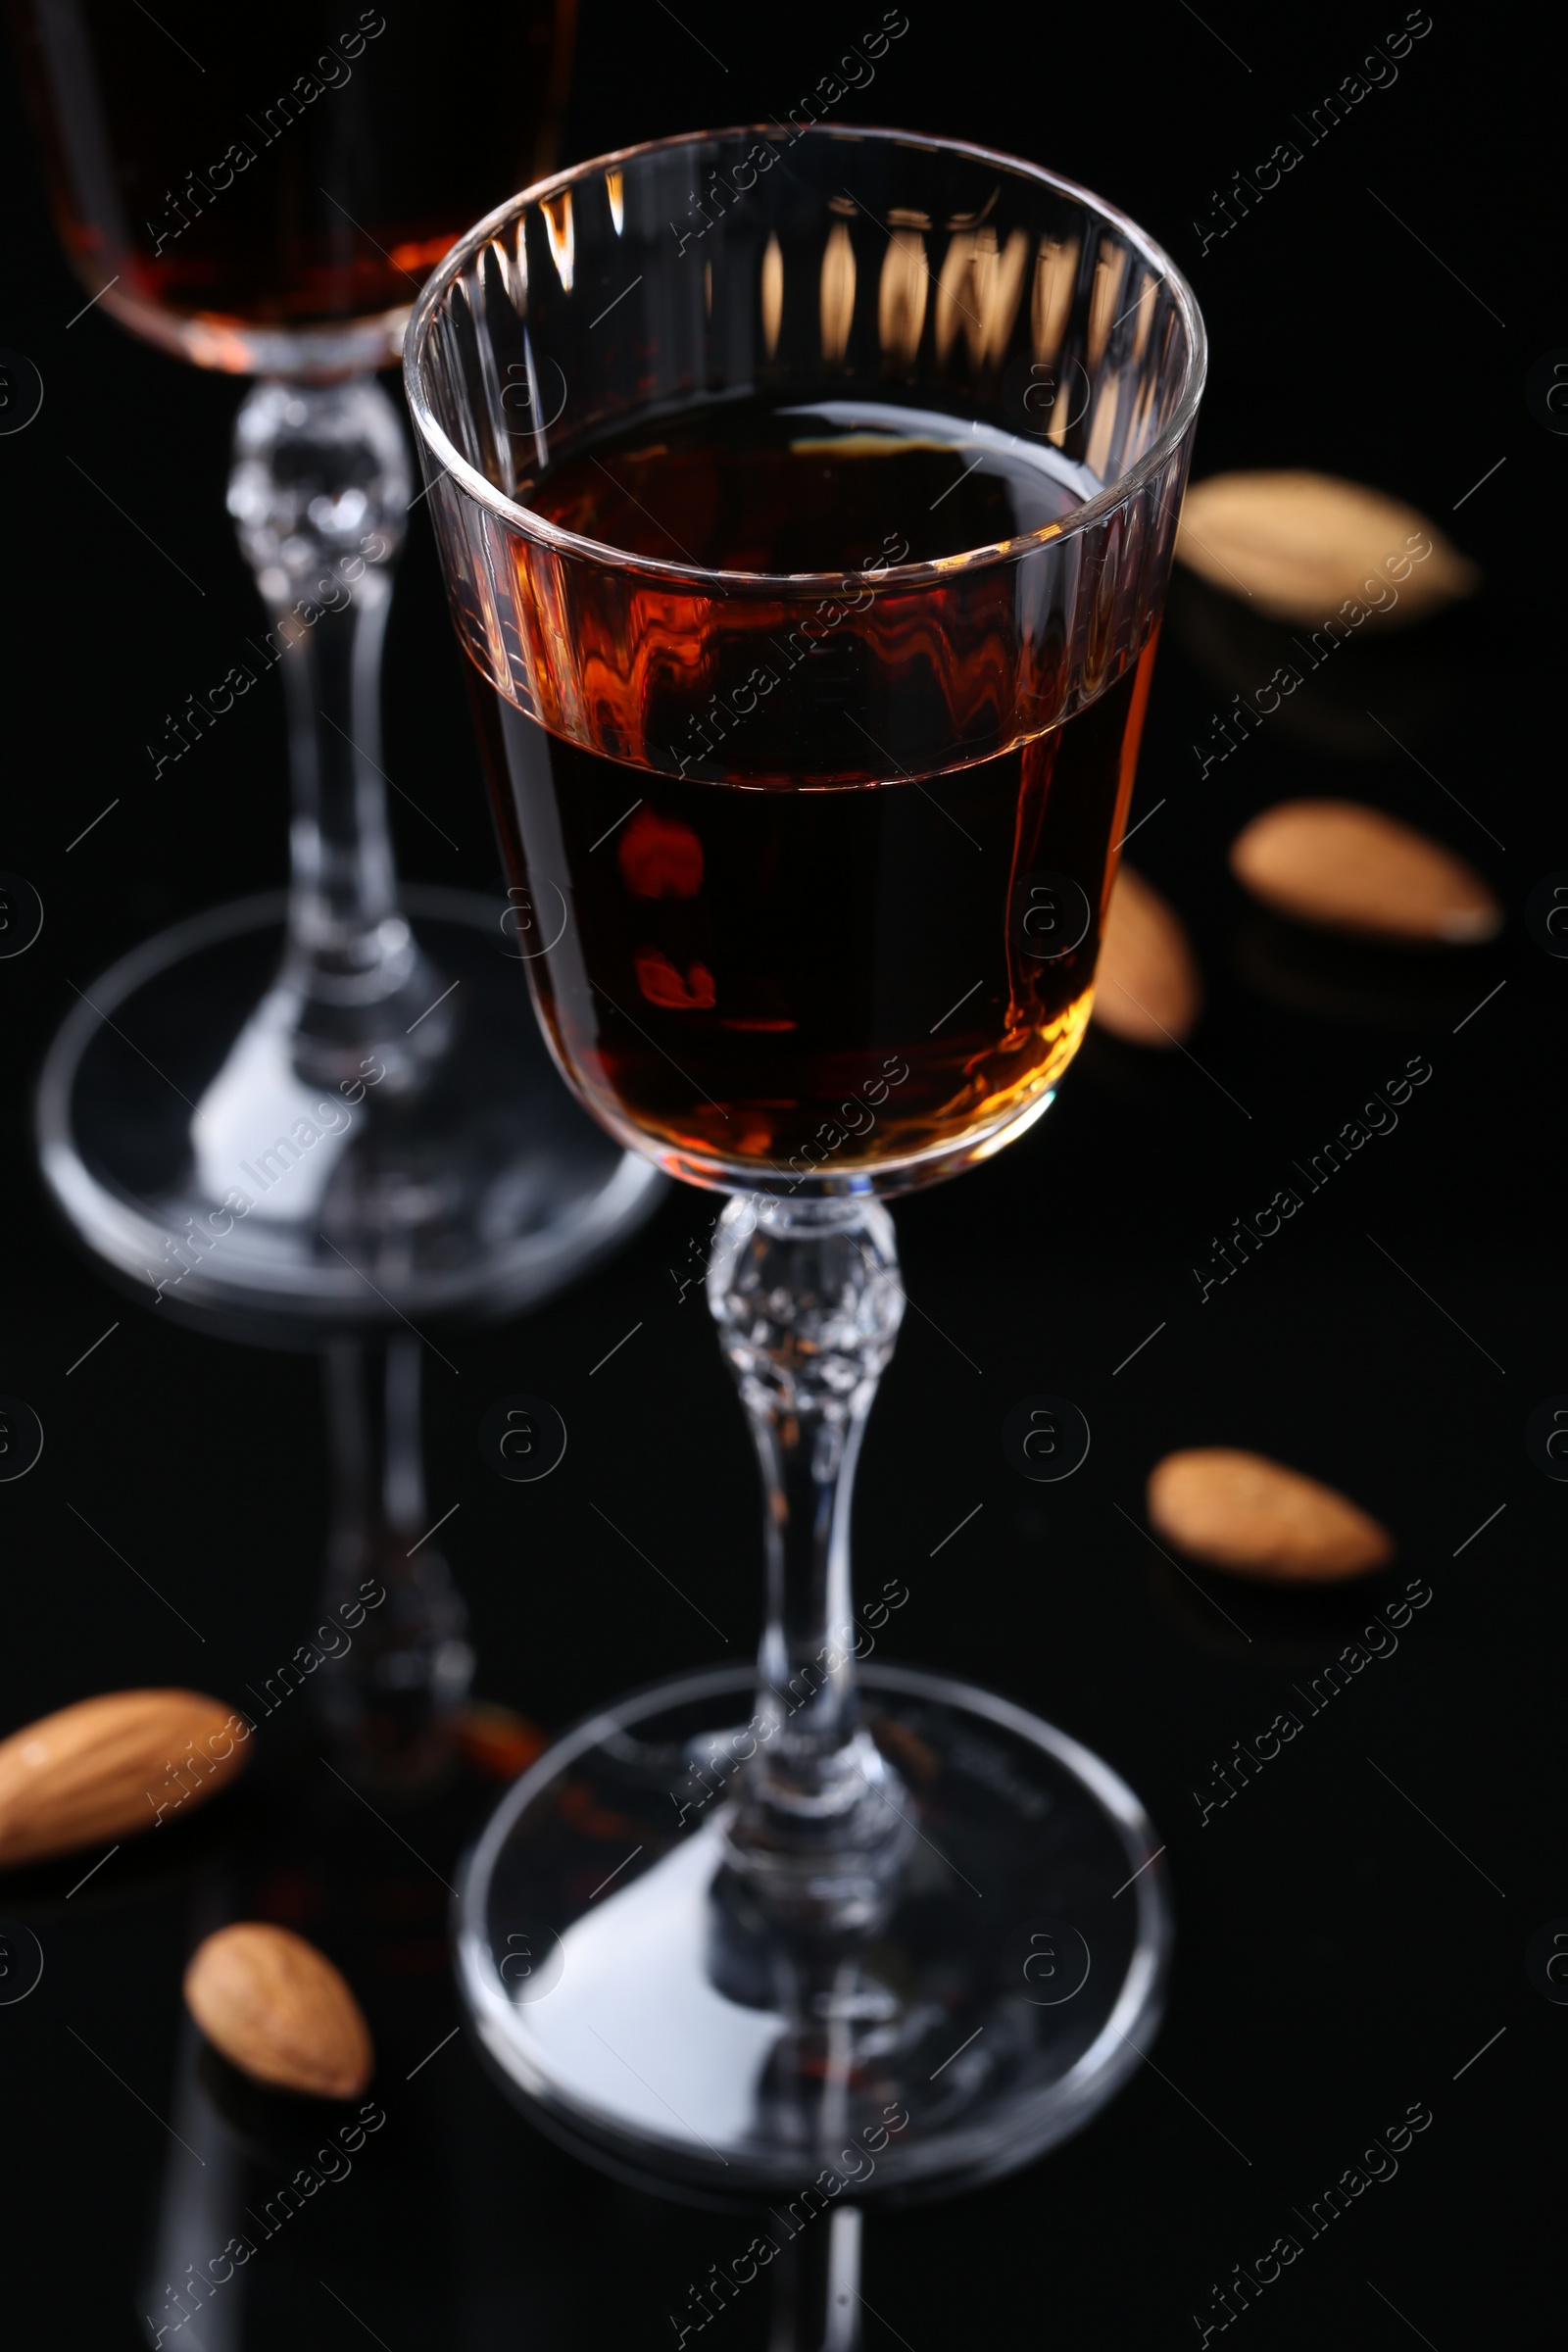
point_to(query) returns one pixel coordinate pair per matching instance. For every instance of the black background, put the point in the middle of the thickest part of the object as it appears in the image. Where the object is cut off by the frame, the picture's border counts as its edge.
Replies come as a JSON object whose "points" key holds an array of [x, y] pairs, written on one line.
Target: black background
{"points": [[1344, 1949]]}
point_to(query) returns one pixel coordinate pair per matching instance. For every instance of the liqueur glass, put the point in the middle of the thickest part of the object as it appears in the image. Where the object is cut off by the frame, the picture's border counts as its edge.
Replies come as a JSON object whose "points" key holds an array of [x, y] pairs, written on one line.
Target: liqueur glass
{"points": [[810, 640], [325, 1111]]}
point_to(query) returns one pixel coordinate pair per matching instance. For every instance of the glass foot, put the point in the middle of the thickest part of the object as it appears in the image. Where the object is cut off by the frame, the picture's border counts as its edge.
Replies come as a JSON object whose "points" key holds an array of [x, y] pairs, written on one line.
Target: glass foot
{"points": [[649, 2015], [181, 1144]]}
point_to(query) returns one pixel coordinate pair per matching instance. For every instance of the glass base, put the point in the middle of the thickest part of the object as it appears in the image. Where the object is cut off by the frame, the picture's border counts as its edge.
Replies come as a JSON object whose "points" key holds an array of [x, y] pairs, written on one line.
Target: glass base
{"points": [[167, 1102], [649, 2016]]}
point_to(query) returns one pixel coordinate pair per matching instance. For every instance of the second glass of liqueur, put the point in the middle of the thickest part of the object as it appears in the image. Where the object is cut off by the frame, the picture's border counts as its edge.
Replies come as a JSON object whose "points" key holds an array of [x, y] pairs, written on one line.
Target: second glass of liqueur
{"points": [[812, 640], [323, 1122]]}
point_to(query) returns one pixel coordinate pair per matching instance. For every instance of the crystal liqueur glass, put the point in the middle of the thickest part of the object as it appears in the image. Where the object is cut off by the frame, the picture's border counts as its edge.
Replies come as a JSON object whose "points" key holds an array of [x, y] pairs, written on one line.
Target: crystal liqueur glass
{"points": [[812, 639], [320, 1111]]}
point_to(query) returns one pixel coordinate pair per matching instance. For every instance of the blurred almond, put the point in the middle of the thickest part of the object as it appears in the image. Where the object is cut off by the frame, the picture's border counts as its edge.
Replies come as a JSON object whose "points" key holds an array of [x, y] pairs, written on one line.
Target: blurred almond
{"points": [[1354, 870], [495, 1740], [1297, 545], [1147, 988], [278, 2010], [1254, 1517], [109, 1767]]}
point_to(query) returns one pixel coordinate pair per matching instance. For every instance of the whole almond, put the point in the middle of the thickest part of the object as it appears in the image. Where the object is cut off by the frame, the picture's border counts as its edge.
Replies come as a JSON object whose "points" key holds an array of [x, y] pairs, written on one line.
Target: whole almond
{"points": [[109, 1767], [278, 2010], [1353, 868], [1252, 1517], [1147, 988], [1297, 545]]}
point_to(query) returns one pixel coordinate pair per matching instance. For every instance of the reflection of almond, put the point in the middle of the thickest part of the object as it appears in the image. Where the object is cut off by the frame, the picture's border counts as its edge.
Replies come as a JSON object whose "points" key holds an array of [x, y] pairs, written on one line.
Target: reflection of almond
{"points": [[911, 1754], [1355, 870], [1146, 986], [1254, 1517], [108, 1767], [278, 2010], [1297, 545]]}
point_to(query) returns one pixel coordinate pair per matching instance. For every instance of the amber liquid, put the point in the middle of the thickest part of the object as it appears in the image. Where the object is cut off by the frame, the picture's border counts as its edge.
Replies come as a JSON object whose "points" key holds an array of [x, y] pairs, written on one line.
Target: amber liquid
{"points": [[369, 151], [789, 987]]}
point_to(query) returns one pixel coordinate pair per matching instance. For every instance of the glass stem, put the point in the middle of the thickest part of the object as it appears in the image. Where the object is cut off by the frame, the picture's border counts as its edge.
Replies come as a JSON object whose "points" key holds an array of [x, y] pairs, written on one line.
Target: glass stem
{"points": [[808, 1298], [816, 2293], [318, 490], [406, 1664]]}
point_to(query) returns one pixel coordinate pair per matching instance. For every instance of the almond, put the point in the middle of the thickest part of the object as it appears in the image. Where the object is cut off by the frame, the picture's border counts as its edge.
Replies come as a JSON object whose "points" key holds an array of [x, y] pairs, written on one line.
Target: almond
{"points": [[1147, 988], [109, 1767], [1298, 545], [1354, 870], [1254, 1517], [495, 1740], [278, 2010]]}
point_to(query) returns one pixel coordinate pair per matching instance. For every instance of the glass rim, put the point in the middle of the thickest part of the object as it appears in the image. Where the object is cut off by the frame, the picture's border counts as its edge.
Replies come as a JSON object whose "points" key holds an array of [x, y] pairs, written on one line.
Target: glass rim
{"points": [[531, 525]]}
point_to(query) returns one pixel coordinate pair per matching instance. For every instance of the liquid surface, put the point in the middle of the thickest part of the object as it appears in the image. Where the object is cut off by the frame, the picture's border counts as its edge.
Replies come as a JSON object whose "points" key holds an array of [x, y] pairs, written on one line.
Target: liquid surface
{"points": [[832, 487], [792, 987]]}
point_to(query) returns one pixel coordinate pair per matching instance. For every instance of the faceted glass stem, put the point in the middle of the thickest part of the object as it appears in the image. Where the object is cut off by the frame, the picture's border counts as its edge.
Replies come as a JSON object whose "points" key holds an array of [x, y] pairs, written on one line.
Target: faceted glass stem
{"points": [[319, 493], [808, 1298]]}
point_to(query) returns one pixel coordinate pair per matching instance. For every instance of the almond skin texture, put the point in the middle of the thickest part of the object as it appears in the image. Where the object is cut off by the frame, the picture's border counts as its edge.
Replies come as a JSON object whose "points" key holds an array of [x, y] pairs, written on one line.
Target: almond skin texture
{"points": [[1296, 546], [1353, 868], [1147, 988], [1252, 1517], [278, 2010], [108, 1767]]}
